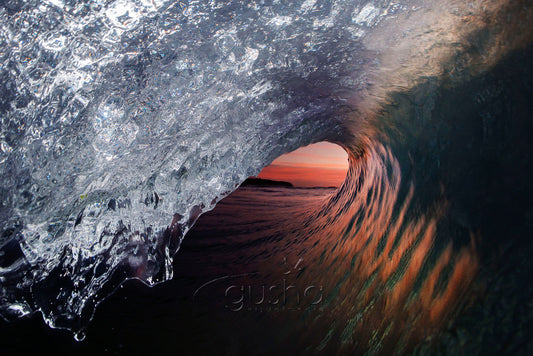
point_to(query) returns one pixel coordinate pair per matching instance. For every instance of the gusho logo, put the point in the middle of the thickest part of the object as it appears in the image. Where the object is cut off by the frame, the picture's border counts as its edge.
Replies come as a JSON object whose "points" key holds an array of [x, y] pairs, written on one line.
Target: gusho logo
{"points": [[272, 297], [248, 292]]}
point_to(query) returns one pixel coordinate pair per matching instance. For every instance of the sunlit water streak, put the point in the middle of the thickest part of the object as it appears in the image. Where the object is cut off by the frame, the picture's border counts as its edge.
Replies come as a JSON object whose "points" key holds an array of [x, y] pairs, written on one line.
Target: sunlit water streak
{"points": [[350, 266]]}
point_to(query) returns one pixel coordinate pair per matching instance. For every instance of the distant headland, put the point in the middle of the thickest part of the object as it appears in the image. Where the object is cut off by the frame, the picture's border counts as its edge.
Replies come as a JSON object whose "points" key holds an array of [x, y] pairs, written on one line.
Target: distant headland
{"points": [[260, 182]]}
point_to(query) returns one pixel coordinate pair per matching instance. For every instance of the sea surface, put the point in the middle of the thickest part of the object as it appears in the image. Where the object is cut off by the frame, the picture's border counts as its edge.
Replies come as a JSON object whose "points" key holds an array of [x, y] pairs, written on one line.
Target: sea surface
{"points": [[240, 288]]}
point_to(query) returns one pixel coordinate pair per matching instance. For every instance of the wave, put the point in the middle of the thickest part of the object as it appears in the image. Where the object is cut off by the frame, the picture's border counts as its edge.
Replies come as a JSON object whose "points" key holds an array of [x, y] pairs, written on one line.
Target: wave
{"points": [[124, 121]]}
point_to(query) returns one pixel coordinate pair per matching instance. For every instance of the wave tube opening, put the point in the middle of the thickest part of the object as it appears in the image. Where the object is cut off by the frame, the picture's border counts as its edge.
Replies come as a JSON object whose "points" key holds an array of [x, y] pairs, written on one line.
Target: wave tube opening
{"points": [[321, 164]]}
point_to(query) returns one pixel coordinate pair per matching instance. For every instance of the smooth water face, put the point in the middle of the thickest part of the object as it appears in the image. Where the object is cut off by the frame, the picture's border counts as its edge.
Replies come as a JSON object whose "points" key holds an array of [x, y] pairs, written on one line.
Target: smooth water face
{"points": [[122, 121]]}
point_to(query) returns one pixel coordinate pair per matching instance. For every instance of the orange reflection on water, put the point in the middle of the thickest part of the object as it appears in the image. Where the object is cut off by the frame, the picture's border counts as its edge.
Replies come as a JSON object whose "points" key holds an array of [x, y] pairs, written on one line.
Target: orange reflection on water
{"points": [[388, 289]]}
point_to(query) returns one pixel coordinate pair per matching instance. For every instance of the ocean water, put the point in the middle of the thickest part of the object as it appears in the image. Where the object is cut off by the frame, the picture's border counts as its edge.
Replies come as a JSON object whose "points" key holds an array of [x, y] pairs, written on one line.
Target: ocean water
{"points": [[244, 285], [123, 123]]}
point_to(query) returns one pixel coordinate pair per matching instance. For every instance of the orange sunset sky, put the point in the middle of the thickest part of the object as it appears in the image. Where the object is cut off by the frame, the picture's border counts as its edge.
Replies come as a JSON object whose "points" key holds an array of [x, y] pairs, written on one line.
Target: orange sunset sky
{"points": [[318, 165]]}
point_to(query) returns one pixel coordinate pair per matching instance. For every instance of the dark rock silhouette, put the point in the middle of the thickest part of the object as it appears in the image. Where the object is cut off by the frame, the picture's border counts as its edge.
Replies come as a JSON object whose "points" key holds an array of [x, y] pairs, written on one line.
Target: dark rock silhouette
{"points": [[260, 182]]}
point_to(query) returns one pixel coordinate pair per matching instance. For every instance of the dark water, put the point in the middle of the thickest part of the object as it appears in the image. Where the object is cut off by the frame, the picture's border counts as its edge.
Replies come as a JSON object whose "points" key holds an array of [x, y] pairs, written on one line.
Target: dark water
{"points": [[241, 287], [234, 246]]}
